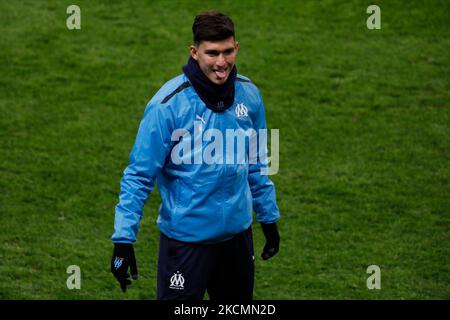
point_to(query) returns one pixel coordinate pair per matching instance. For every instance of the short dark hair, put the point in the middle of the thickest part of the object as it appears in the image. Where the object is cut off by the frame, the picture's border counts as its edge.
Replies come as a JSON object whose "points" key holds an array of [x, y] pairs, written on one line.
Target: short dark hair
{"points": [[212, 26]]}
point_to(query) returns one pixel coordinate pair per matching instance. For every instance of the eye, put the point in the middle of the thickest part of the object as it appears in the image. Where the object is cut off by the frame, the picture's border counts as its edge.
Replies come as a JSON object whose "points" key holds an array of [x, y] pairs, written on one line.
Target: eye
{"points": [[211, 53]]}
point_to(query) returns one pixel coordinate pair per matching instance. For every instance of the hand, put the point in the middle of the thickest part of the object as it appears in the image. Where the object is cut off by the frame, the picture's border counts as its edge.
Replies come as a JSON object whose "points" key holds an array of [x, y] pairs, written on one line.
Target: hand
{"points": [[123, 257], [272, 246]]}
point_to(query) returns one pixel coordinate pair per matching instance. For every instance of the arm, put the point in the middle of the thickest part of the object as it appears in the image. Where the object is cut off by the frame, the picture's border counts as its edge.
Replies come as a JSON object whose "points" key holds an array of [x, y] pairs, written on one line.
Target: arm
{"points": [[262, 188], [263, 193], [147, 157]]}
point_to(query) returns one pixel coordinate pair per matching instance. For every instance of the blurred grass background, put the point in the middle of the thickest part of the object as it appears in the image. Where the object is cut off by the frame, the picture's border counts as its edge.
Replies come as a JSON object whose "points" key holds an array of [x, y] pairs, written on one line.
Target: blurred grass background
{"points": [[364, 141]]}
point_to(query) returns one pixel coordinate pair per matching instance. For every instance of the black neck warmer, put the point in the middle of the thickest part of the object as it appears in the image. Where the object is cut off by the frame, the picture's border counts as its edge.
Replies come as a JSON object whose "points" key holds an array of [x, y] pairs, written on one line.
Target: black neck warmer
{"points": [[217, 97]]}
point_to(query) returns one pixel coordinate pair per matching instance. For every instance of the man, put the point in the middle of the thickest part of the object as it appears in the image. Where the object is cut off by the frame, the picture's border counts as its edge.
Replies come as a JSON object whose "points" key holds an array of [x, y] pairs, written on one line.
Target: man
{"points": [[206, 213]]}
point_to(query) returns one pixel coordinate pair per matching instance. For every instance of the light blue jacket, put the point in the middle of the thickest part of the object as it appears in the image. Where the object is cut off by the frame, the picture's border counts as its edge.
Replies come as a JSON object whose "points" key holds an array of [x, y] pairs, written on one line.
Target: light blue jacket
{"points": [[201, 202]]}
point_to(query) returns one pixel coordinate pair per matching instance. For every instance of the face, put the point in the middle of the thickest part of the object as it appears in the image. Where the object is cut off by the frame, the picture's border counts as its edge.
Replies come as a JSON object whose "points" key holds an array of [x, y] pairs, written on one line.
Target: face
{"points": [[216, 58]]}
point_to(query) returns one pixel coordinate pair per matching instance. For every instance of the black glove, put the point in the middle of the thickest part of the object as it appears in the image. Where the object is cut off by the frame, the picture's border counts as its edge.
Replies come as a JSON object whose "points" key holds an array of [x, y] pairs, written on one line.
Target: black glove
{"points": [[270, 231], [123, 257]]}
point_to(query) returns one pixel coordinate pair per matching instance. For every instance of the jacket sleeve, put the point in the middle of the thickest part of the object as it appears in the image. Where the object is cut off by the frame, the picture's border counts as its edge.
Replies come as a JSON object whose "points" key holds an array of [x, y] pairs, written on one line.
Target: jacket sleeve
{"points": [[262, 188], [147, 157]]}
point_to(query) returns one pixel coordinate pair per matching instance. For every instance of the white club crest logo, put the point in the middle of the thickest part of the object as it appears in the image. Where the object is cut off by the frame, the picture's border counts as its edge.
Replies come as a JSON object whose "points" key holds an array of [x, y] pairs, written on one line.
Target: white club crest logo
{"points": [[118, 262], [177, 281], [241, 110]]}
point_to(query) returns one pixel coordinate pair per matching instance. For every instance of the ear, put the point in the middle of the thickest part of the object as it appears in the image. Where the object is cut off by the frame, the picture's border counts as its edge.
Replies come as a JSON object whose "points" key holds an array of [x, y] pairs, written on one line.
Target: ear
{"points": [[237, 46], [193, 50]]}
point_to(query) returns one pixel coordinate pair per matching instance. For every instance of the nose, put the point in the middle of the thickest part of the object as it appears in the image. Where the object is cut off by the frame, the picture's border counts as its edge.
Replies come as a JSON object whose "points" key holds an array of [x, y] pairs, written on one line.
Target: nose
{"points": [[221, 61]]}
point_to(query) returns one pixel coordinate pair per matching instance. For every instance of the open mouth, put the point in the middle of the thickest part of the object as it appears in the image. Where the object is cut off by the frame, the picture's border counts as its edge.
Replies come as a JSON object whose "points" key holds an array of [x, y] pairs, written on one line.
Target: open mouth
{"points": [[221, 74]]}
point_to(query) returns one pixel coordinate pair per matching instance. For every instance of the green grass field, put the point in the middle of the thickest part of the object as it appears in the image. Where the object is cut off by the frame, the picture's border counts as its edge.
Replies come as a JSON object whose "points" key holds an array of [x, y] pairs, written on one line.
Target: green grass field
{"points": [[364, 141]]}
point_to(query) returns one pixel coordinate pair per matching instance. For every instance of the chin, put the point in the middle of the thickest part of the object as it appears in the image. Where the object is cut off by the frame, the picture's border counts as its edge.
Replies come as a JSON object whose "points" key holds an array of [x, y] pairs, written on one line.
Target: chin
{"points": [[220, 81], [216, 80]]}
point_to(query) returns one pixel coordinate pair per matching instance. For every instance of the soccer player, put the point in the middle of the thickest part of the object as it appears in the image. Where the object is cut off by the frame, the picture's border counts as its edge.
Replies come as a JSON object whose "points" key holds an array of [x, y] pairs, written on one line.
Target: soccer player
{"points": [[208, 197]]}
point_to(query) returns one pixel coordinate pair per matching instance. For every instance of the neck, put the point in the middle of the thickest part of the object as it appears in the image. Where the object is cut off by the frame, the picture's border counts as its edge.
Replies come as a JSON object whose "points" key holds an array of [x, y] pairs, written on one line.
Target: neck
{"points": [[217, 97]]}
